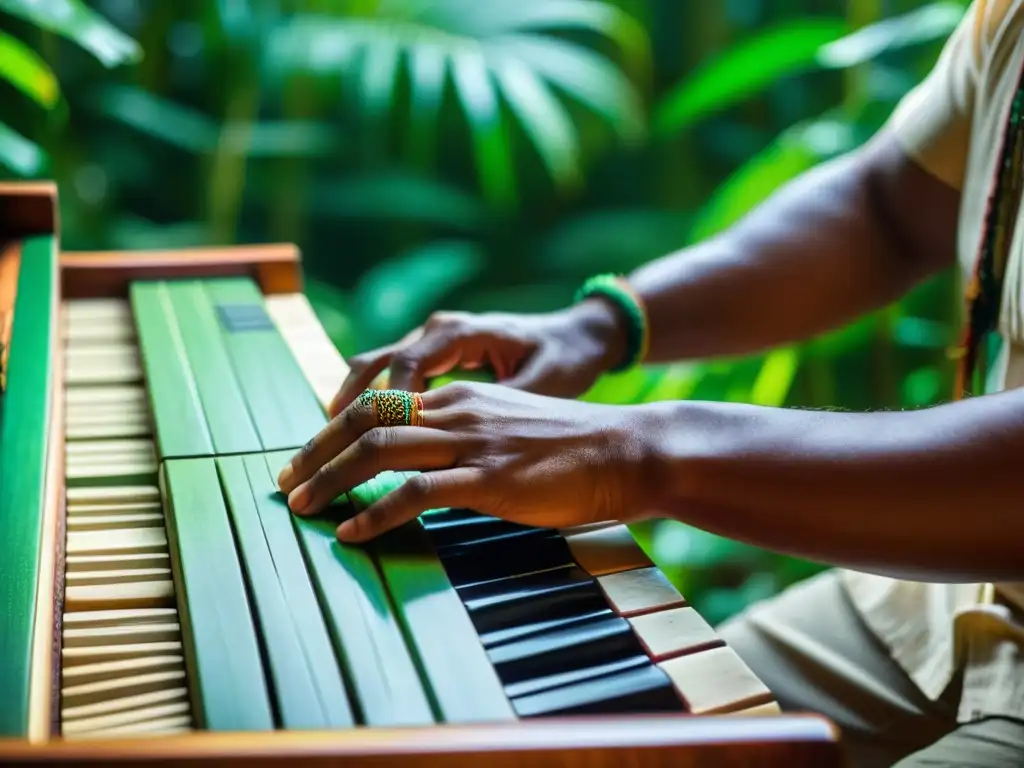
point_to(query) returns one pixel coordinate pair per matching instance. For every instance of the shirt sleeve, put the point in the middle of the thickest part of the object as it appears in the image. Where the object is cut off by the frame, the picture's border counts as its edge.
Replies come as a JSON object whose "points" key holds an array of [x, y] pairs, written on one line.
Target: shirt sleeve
{"points": [[933, 121]]}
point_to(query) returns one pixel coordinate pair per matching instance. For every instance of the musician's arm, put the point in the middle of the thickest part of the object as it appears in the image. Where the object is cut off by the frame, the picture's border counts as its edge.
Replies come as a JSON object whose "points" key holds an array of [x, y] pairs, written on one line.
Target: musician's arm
{"points": [[846, 238], [929, 495]]}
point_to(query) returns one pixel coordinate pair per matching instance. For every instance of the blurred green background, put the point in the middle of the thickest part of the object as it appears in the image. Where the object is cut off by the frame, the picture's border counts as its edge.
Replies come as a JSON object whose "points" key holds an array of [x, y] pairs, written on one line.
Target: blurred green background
{"points": [[483, 154]]}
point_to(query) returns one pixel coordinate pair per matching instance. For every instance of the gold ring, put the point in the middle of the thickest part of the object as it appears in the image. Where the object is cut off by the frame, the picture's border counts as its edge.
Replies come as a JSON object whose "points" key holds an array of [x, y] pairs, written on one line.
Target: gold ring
{"points": [[394, 407]]}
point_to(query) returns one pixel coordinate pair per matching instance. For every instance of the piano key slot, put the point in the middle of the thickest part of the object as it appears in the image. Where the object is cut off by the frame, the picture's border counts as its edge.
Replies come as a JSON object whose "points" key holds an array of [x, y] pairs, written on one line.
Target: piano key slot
{"points": [[674, 632], [125, 704], [86, 522], [560, 593], [104, 724], [113, 495], [133, 634], [585, 644], [639, 591], [90, 654], [640, 690], [575, 676], [77, 563], [110, 670], [136, 685], [715, 682], [96, 619], [468, 564], [126, 541], [607, 550]]}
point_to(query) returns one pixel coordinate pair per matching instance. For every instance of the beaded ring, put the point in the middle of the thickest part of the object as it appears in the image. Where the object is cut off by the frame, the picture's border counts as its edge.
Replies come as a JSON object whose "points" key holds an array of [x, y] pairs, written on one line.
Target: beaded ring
{"points": [[394, 407], [619, 292]]}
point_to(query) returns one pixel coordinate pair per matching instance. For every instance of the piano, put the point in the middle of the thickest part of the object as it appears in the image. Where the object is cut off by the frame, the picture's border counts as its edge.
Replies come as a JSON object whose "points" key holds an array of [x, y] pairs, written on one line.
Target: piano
{"points": [[161, 605]]}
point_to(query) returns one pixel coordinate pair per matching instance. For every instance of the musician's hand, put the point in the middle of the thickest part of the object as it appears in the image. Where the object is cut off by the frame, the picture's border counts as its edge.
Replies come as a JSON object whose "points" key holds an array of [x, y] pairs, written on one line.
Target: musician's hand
{"points": [[499, 451], [559, 354]]}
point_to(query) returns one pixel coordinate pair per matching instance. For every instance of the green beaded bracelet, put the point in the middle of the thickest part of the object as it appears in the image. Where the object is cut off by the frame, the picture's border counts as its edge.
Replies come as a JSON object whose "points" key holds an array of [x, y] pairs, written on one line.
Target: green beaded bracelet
{"points": [[618, 291]]}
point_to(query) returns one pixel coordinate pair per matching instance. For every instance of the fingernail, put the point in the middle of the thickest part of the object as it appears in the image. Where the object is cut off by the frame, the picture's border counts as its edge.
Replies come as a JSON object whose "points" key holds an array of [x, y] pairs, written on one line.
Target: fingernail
{"points": [[346, 531], [284, 479], [298, 499]]}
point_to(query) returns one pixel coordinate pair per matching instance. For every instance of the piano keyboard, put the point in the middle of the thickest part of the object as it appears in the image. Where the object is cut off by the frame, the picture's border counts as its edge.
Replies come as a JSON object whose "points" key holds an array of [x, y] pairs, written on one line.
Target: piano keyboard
{"points": [[123, 665], [160, 599], [459, 619]]}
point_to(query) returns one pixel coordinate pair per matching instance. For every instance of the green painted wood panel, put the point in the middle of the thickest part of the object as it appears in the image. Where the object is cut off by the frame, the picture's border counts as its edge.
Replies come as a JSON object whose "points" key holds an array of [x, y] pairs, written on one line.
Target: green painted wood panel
{"points": [[226, 675], [26, 414], [181, 429], [281, 402], [227, 417]]}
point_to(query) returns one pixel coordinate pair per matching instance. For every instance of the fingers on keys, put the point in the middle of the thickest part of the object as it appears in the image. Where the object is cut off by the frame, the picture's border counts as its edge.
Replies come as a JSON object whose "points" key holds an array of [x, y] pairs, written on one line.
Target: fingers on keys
{"points": [[459, 487]]}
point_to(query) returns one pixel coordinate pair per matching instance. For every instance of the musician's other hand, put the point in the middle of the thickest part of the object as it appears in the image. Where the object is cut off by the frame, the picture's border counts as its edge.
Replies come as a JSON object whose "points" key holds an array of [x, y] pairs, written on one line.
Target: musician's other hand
{"points": [[523, 457], [559, 354]]}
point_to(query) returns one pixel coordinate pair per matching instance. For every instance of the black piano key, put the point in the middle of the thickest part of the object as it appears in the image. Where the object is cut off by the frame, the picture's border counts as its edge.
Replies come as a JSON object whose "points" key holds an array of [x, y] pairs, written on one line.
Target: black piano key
{"points": [[534, 597], [580, 645], [462, 526], [504, 558], [634, 691], [563, 679], [521, 631]]}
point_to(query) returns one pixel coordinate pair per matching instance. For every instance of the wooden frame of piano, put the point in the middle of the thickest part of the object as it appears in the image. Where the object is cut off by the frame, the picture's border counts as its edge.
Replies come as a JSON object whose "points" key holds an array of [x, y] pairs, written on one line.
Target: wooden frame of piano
{"points": [[681, 741]]}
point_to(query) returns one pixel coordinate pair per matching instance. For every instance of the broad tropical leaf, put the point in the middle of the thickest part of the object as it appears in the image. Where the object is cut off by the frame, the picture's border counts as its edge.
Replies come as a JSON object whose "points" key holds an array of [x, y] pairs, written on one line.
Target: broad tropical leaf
{"points": [[793, 47], [490, 55], [77, 22], [26, 71], [745, 69]]}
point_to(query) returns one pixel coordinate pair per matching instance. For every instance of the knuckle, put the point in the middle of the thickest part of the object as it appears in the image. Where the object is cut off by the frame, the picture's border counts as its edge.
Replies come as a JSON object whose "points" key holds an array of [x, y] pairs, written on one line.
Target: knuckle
{"points": [[358, 363], [374, 443], [322, 477], [442, 319], [418, 486], [405, 361]]}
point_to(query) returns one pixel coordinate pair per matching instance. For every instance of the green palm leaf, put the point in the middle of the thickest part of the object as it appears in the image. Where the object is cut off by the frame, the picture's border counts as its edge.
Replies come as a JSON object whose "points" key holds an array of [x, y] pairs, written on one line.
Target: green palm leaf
{"points": [[492, 56], [77, 22]]}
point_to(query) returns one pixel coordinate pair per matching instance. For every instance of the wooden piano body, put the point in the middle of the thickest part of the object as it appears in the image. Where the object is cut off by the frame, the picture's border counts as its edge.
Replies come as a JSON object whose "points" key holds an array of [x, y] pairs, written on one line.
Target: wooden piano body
{"points": [[162, 606]]}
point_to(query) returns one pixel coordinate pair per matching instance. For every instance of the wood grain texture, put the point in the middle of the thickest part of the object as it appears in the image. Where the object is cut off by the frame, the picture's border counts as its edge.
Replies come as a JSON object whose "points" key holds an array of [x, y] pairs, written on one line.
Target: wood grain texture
{"points": [[28, 208], [94, 274], [639, 742]]}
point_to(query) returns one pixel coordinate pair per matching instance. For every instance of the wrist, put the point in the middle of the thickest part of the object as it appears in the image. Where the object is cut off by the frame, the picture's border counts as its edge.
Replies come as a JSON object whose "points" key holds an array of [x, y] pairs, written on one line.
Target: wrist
{"points": [[599, 322], [674, 453], [616, 292]]}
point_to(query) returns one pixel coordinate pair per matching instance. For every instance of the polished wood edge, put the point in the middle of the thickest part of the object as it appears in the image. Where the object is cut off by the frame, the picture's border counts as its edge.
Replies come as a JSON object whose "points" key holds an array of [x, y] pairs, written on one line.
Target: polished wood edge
{"points": [[658, 733], [28, 208], [41, 682], [276, 268]]}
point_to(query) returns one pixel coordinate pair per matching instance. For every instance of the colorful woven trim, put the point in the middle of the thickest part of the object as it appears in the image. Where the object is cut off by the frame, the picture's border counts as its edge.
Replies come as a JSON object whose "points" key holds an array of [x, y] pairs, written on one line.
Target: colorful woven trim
{"points": [[616, 289], [984, 291]]}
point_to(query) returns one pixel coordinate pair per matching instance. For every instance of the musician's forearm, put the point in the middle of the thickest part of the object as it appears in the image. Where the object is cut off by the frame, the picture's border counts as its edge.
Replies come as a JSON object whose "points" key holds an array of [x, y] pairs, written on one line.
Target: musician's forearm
{"points": [[817, 254], [932, 495]]}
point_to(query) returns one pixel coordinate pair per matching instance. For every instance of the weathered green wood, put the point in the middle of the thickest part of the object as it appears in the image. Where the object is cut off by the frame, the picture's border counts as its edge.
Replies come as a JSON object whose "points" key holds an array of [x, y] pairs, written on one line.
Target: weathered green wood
{"points": [[461, 679], [463, 683], [280, 400], [228, 685], [181, 428], [366, 633], [27, 410], [227, 418], [306, 678]]}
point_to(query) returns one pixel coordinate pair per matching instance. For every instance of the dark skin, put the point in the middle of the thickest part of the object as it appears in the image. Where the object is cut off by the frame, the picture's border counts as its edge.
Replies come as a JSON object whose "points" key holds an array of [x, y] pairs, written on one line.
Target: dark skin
{"points": [[928, 495]]}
